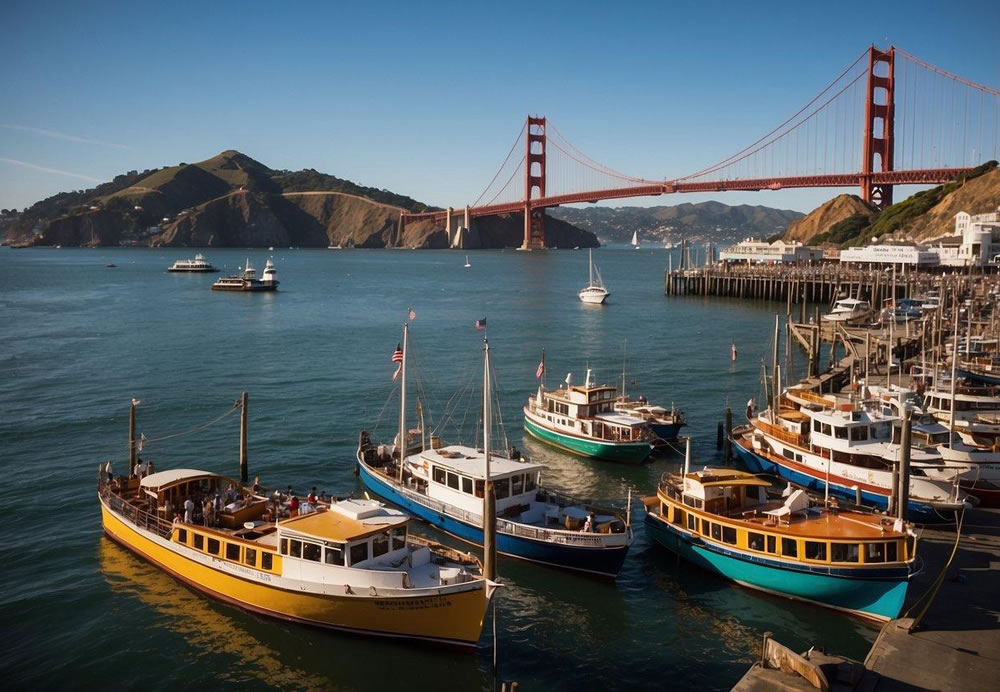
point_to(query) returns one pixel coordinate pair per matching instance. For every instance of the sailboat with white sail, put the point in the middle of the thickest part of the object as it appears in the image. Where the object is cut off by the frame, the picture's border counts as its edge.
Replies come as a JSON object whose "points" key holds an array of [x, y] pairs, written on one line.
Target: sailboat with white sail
{"points": [[594, 292], [635, 239], [467, 265]]}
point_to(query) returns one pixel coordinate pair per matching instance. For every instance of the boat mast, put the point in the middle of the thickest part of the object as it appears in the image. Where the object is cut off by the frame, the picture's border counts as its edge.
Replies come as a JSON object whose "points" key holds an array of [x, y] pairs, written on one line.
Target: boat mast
{"points": [[489, 500], [402, 407], [954, 364], [487, 414], [590, 263], [624, 346], [774, 373]]}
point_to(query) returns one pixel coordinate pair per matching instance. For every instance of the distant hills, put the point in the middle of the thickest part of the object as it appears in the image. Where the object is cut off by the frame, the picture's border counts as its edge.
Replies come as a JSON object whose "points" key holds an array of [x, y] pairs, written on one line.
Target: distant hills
{"points": [[848, 221], [233, 200], [699, 223]]}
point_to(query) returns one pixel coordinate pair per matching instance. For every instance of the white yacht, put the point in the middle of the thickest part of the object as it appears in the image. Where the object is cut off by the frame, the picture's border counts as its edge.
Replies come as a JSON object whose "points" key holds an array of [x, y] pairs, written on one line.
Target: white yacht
{"points": [[247, 279], [198, 264], [849, 310], [594, 292]]}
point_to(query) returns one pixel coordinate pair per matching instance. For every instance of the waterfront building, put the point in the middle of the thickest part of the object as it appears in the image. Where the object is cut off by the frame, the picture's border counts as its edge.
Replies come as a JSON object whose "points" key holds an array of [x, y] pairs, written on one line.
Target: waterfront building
{"points": [[912, 256], [975, 241], [753, 250]]}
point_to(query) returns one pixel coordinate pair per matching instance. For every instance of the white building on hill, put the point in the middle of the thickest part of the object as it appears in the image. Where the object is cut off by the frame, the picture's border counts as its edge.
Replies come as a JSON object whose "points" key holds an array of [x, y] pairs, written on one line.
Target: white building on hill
{"points": [[976, 240], [757, 251]]}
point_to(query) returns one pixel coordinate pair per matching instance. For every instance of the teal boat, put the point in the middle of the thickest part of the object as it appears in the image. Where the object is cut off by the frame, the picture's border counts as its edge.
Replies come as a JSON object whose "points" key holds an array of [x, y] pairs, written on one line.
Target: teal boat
{"points": [[723, 520], [583, 420]]}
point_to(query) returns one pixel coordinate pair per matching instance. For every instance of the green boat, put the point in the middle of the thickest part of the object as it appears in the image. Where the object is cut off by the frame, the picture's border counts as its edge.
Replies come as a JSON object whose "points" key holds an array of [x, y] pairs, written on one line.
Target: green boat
{"points": [[583, 421]]}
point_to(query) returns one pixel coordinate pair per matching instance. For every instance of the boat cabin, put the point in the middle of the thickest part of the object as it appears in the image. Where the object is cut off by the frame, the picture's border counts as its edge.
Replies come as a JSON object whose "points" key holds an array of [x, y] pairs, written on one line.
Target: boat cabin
{"points": [[456, 476], [589, 410]]}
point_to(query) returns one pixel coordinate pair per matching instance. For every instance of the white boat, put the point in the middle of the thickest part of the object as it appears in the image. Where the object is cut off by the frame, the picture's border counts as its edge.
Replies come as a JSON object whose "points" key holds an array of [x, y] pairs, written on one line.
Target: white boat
{"points": [[198, 264], [594, 292], [247, 279], [635, 239], [467, 265], [849, 310]]}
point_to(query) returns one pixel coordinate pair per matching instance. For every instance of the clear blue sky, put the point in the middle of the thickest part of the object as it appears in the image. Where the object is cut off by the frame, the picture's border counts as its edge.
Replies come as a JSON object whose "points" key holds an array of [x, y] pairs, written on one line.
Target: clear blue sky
{"points": [[425, 98]]}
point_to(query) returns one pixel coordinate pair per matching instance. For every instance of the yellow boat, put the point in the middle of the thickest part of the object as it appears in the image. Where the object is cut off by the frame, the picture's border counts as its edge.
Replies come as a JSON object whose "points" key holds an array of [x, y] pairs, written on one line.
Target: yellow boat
{"points": [[346, 565]]}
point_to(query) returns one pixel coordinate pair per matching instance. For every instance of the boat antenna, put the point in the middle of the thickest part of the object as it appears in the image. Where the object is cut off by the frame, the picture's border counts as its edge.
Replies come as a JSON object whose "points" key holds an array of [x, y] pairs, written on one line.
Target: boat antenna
{"points": [[402, 404], [624, 346]]}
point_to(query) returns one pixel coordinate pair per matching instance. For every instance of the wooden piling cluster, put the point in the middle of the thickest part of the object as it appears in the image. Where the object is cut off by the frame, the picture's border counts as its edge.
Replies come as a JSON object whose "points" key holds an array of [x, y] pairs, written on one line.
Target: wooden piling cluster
{"points": [[822, 283]]}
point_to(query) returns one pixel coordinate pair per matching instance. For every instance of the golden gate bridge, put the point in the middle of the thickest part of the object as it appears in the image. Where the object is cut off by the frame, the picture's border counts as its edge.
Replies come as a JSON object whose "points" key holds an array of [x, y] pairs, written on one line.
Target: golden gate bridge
{"points": [[889, 119]]}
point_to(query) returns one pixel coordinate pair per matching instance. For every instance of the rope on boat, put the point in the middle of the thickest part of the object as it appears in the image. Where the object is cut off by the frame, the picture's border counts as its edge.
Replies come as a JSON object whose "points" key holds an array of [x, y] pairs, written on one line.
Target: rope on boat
{"points": [[930, 594], [202, 426]]}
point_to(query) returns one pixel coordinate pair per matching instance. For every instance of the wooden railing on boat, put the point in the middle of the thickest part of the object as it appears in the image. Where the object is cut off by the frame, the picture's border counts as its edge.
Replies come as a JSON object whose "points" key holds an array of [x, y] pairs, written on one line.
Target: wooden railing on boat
{"points": [[780, 433], [138, 517]]}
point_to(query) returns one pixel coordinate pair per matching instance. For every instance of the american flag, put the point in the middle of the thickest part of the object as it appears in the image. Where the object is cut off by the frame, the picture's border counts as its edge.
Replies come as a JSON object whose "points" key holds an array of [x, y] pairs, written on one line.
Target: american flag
{"points": [[540, 369], [411, 314], [481, 324], [397, 357]]}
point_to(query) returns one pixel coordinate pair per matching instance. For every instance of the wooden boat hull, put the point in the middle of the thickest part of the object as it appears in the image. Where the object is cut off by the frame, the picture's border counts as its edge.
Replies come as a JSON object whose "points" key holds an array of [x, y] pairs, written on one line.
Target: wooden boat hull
{"points": [[871, 496], [454, 618], [878, 595], [600, 560], [628, 452]]}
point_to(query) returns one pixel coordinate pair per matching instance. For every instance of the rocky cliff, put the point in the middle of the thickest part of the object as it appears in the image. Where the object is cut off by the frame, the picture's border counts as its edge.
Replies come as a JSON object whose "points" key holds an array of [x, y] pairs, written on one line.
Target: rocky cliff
{"points": [[828, 214]]}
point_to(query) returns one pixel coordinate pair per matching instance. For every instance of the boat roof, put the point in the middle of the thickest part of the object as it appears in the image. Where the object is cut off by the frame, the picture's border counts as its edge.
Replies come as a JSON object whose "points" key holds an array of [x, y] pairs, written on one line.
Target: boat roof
{"points": [[709, 477], [471, 462], [851, 301], [347, 520], [161, 479], [620, 418]]}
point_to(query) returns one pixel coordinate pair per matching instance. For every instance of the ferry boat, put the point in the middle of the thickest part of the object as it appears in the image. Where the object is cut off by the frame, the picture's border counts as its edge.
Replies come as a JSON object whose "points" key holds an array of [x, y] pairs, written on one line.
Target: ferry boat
{"points": [[348, 565], [843, 452], [444, 486], [583, 420], [976, 415], [594, 292], [247, 279], [723, 521], [665, 424], [849, 310], [198, 264]]}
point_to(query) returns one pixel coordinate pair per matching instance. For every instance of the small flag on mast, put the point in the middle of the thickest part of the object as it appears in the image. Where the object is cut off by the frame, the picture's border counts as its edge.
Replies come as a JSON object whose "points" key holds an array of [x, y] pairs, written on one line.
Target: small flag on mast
{"points": [[410, 314], [397, 357], [733, 352], [540, 369], [481, 324]]}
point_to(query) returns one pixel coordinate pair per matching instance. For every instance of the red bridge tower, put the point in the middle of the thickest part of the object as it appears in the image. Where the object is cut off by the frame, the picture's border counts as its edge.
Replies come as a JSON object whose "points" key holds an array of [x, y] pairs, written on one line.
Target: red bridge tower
{"points": [[880, 112], [534, 179]]}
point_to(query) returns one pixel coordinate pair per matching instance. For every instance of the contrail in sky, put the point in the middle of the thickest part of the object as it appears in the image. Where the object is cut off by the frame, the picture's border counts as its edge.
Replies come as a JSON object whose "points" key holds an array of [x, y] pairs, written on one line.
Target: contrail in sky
{"points": [[51, 170], [63, 135]]}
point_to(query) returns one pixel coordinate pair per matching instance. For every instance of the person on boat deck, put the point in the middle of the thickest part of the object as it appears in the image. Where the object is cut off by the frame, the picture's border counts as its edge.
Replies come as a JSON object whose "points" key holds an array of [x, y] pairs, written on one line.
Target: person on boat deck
{"points": [[311, 497], [293, 505], [256, 485], [206, 510], [324, 497], [217, 503], [149, 467], [230, 494], [588, 526], [168, 509], [188, 511], [751, 405]]}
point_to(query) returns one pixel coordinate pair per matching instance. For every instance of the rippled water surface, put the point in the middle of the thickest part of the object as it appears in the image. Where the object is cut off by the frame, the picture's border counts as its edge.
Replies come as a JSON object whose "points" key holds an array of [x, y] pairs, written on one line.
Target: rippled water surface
{"points": [[79, 340]]}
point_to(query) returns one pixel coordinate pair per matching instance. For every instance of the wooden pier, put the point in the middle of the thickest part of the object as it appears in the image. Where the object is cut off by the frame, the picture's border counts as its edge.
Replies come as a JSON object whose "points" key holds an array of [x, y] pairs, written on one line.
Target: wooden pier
{"points": [[823, 283]]}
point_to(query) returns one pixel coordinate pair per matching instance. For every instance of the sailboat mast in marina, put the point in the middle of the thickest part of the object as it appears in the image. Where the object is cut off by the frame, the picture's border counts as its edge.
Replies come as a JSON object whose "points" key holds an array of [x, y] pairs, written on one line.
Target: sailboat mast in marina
{"points": [[594, 292], [402, 406]]}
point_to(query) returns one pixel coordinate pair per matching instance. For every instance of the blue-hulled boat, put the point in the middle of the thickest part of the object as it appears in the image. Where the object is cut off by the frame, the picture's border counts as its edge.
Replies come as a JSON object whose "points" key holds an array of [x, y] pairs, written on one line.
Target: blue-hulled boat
{"points": [[723, 520], [444, 486]]}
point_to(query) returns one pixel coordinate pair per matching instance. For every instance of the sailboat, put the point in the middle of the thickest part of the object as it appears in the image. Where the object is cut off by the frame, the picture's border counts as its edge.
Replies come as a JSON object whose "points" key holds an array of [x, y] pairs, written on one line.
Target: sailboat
{"points": [[594, 292], [635, 239], [445, 486], [467, 265]]}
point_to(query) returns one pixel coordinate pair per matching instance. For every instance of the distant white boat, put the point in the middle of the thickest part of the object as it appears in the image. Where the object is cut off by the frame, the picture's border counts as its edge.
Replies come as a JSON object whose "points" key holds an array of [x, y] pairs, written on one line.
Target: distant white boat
{"points": [[334, 247], [635, 239], [467, 265], [271, 248], [594, 292]]}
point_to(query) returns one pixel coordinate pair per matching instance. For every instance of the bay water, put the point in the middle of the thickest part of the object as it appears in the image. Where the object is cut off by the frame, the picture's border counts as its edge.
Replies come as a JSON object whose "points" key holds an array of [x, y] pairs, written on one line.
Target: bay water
{"points": [[80, 339]]}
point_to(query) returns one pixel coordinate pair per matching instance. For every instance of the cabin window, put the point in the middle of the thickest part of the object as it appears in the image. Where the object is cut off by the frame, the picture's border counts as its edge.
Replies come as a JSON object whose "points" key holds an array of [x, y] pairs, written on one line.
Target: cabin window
{"points": [[689, 501], [844, 552], [359, 552], [717, 531], [310, 551], [859, 433], [333, 554], [233, 552], [789, 548], [826, 429], [466, 485], [182, 536], [771, 544], [399, 537], [501, 488], [841, 432], [199, 541], [789, 454], [890, 552], [705, 530], [453, 480], [380, 544], [692, 522], [529, 482], [874, 552], [250, 556], [755, 541], [479, 488], [817, 426], [439, 475], [516, 484], [729, 535], [295, 548], [213, 546], [815, 550], [266, 560]]}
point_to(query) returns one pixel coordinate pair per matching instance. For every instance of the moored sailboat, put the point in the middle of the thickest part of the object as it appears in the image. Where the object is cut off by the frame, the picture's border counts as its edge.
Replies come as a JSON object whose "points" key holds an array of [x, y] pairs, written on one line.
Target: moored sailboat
{"points": [[594, 292]]}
